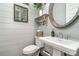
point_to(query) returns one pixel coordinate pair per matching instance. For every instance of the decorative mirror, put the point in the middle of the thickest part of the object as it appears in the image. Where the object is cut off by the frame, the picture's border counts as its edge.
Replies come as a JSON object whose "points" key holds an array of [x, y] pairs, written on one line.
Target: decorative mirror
{"points": [[20, 13], [62, 14]]}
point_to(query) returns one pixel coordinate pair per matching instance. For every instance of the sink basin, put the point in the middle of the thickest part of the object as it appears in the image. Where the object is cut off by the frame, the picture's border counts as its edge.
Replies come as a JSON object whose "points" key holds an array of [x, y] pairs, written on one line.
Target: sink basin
{"points": [[68, 46]]}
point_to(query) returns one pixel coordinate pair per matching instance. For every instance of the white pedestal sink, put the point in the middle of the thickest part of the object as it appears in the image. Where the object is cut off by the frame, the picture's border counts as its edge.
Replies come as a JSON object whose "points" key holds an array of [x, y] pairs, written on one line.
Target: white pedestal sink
{"points": [[61, 45]]}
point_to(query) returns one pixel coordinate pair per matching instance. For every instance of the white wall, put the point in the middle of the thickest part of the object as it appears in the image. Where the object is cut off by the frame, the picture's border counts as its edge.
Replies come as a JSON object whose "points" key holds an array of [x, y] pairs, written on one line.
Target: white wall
{"points": [[14, 36], [72, 31]]}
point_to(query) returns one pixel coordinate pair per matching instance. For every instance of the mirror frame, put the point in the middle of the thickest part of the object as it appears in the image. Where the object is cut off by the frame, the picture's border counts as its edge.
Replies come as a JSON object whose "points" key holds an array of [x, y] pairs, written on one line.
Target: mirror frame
{"points": [[54, 23]]}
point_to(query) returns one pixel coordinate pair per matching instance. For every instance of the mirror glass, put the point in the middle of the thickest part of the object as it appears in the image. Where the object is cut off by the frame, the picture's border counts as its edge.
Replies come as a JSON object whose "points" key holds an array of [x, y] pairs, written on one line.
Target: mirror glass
{"points": [[62, 14], [59, 13]]}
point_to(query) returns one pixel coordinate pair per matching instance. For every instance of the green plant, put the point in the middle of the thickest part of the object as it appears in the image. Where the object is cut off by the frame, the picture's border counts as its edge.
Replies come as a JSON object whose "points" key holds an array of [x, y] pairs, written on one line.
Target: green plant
{"points": [[38, 5]]}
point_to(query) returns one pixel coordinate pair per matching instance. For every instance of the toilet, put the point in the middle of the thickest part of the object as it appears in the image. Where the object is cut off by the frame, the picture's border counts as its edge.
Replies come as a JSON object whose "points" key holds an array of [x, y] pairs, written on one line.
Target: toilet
{"points": [[34, 50]]}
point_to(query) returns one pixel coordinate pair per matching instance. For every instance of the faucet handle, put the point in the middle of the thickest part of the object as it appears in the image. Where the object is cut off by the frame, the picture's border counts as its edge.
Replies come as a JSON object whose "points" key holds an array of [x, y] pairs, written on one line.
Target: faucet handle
{"points": [[66, 36]]}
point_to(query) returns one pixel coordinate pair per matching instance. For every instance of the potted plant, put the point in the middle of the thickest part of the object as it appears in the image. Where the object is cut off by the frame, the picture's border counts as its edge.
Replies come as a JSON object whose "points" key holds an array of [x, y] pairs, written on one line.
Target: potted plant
{"points": [[39, 6]]}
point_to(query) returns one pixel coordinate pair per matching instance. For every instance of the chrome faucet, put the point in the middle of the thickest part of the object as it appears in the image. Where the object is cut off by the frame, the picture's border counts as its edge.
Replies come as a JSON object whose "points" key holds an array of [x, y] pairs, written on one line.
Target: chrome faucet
{"points": [[67, 36], [60, 35]]}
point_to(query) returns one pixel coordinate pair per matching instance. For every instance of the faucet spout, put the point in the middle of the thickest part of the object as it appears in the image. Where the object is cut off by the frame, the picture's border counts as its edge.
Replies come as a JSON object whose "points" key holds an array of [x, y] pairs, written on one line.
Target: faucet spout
{"points": [[60, 35]]}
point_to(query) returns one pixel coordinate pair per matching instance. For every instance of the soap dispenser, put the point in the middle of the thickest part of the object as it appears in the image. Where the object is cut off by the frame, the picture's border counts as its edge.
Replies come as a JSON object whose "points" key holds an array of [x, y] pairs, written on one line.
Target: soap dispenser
{"points": [[52, 33]]}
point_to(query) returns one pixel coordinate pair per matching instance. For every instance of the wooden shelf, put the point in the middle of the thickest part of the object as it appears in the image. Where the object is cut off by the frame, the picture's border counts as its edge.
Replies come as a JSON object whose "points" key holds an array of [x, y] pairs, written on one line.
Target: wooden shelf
{"points": [[41, 18]]}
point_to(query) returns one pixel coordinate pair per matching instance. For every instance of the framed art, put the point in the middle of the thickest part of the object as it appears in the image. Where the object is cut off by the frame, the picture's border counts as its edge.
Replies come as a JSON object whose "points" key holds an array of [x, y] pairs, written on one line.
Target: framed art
{"points": [[20, 13]]}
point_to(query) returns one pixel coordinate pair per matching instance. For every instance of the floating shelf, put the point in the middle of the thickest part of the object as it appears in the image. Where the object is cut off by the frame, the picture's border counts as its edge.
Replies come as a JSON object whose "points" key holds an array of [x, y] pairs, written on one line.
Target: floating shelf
{"points": [[41, 18]]}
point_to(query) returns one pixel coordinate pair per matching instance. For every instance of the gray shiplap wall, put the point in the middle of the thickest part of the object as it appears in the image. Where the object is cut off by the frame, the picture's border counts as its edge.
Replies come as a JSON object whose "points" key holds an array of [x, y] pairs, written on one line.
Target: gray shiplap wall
{"points": [[14, 36]]}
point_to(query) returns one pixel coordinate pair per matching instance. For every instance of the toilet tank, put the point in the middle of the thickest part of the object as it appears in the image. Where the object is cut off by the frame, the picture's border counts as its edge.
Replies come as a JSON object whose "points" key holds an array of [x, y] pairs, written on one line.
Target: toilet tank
{"points": [[38, 42]]}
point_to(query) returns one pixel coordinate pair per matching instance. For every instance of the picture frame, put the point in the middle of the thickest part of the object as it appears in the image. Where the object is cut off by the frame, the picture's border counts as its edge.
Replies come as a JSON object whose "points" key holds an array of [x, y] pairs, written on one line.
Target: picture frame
{"points": [[20, 13]]}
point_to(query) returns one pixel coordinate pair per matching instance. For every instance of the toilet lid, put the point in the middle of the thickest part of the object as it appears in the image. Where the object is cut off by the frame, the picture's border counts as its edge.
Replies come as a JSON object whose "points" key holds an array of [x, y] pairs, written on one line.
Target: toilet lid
{"points": [[30, 49]]}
